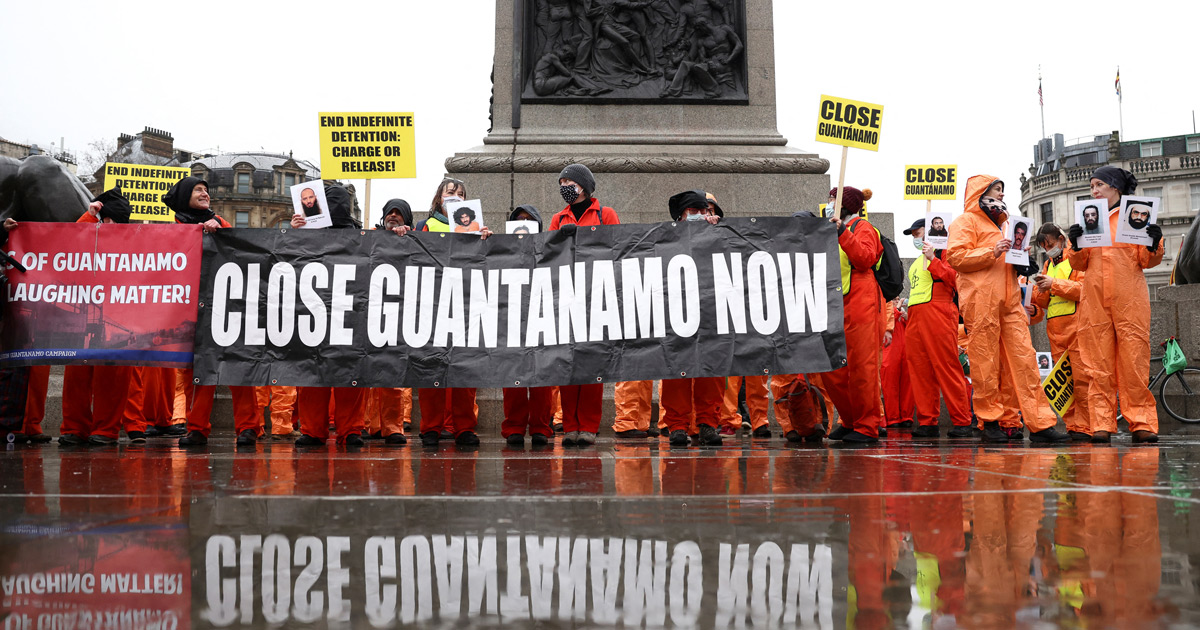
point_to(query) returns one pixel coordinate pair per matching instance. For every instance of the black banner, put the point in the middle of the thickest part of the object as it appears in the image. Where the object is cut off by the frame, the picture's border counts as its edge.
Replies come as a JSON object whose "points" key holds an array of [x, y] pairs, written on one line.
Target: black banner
{"points": [[610, 303]]}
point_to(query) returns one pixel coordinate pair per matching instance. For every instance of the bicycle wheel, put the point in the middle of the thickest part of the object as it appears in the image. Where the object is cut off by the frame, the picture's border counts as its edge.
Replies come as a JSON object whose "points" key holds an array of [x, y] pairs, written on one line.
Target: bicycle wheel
{"points": [[1179, 394]]}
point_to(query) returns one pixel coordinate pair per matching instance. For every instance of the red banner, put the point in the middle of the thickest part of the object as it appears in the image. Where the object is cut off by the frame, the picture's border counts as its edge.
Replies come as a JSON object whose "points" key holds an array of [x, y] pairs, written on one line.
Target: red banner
{"points": [[104, 294]]}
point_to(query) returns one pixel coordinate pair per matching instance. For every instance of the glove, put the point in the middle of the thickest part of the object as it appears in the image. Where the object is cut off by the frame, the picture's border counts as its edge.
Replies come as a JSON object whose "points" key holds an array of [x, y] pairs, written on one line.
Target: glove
{"points": [[1155, 234], [1073, 234]]}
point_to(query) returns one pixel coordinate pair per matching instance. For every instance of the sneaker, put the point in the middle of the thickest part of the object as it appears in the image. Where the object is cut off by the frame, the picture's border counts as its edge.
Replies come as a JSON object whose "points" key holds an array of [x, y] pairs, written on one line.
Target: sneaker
{"points": [[632, 434], [174, 429], [709, 436], [1101, 437], [763, 432], [570, 438], [153, 431], [537, 439], [70, 439], [1048, 435], [679, 437], [249, 437], [557, 427], [905, 424], [586, 438], [964, 432], [1145, 437], [354, 440], [445, 434], [136, 437], [793, 436], [1015, 434], [193, 438], [515, 439], [816, 436], [882, 432], [308, 440], [745, 426], [653, 432], [378, 435], [467, 438], [926, 431], [1079, 436], [728, 430], [993, 433], [839, 433], [102, 440], [430, 438], [854, 437], [395, 439]]}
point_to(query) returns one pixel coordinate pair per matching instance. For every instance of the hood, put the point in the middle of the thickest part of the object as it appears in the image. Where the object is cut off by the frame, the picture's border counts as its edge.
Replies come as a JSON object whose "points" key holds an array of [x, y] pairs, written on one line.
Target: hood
{"points": [[533, 212], [397, 204], [115, 205], [179, 199], [340, 204], [976, 186]]}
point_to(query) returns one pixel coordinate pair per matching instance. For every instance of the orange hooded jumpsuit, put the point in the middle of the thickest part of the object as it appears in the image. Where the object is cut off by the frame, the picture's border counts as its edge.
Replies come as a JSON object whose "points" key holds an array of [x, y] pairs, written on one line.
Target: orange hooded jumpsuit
{"points": [[1060, 304], [855, 389], [897, 386], [997, 326], [931, 352], [1114, 332]]}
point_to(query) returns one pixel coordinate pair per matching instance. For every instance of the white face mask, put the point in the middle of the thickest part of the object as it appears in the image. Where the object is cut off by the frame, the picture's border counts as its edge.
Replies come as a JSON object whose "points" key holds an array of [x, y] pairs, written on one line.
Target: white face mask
{"points": [[1055, 252], [919, 244], [452, 199], [694, 217]]}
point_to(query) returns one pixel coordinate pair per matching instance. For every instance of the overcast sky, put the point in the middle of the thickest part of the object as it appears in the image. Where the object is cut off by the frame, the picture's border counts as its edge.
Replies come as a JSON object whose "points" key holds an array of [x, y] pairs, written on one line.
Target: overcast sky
{"points": [[959, 85]]}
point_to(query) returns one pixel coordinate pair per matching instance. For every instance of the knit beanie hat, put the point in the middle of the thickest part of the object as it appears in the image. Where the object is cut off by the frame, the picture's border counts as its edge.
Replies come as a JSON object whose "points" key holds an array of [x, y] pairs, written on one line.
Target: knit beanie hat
{"points": [[852, 198], [581, 175]]}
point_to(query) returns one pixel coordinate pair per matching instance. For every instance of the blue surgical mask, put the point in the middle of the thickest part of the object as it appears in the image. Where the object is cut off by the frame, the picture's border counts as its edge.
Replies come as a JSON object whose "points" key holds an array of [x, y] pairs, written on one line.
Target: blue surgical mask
{"points": [[919, 244], [694, 217]]}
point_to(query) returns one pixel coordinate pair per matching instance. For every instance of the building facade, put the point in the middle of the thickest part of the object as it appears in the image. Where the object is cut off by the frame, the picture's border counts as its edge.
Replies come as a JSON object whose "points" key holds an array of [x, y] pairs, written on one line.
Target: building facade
{"points": [[19, 151], [1168, 168]]}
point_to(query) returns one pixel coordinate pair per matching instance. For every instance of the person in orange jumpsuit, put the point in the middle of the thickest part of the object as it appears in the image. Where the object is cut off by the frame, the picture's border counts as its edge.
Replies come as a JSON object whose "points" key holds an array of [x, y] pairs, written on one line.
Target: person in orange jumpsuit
{"points": [[800, 408], [757, 399], [855, 388], [190, 201], [1057, 290], [1114, 318], [997, 325], [281, 400], [897, 387], [931, 355], [581, 404], [149, 403], [632, 401], [94, 396], [702, 398], [35, 404]]}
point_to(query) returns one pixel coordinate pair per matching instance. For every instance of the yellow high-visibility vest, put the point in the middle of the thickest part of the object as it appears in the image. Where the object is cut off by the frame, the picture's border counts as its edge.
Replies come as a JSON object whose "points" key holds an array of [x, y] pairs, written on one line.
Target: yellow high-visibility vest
{"points": [[1059, 306]]}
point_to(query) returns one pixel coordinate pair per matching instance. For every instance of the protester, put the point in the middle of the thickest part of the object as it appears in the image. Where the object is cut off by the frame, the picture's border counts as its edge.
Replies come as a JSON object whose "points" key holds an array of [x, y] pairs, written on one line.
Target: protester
{"points": [[897, 390], [581, 404], [449, 191], [190, 201], [313, 403], [1057, 292], [932, 346], [1114, 318], [855, 389], [527, 409], [998, 329], [693, 400], [389, 409], [756, 399], [16, 383]]}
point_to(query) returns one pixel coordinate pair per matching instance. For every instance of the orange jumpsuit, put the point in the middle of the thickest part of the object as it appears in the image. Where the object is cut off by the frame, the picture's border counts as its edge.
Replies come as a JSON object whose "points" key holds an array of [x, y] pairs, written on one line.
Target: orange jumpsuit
{"points": [[93, 401], [897, 386], [1114, 332], [312, 407], [797, 407], [527, 408], [931, 352], [451, 408], [995, 319], [281, 400], [855, 388], [685, 400], [1060, 306], [35, 399], [200, 404], [632, 400], [388, 409], [150, 401], [756, 401]]}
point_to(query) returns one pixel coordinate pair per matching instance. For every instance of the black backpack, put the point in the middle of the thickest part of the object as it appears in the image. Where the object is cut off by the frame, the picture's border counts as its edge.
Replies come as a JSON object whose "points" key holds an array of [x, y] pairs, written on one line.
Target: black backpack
{"points": [[889, 273]]}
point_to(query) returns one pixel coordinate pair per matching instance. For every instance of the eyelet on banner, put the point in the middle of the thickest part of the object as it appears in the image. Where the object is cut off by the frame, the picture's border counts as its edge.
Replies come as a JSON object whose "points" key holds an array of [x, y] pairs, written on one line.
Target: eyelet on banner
{"points": [[362, 233], [274, 381], [282, 231], [516, 382], [766, 371], [753, 220], [443, 236], [437, 384], [202, 305], [683, 373], [593, 229], [354, 383], [599, 379], [196, 381]]}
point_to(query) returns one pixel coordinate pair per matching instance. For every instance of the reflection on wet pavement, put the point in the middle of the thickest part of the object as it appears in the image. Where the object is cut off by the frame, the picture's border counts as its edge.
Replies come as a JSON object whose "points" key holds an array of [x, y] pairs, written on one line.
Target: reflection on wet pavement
{"points": [[626, 534]]}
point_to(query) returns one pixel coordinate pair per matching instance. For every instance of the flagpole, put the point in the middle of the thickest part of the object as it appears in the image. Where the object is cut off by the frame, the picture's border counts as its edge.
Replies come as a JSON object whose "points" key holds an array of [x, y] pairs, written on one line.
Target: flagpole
{"points": [[1120, 106], [1041, 101]]}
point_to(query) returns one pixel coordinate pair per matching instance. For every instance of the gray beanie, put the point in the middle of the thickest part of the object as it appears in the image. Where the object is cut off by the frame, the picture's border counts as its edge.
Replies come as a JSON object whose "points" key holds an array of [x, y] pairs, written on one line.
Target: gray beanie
{"points": [[580, 174]]}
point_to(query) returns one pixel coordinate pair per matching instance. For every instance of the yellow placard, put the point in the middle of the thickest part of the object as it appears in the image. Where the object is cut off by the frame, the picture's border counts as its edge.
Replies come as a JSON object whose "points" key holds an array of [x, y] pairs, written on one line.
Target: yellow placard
{"points": [[144, 186], [849, 123], [931, 181], [367, 145], [1059, 386]]}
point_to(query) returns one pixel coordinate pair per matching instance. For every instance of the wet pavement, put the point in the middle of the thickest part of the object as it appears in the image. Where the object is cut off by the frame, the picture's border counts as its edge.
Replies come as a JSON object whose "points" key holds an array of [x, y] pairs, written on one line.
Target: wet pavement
{"points": [[624, 534]]}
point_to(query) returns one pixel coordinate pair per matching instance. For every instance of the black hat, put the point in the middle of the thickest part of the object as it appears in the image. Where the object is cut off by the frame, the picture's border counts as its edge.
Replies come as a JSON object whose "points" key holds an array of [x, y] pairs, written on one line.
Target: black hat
{"points": [[115, 205], [684, 200], [919, 223], [1118, 178], [581, 175], [399, 206]]}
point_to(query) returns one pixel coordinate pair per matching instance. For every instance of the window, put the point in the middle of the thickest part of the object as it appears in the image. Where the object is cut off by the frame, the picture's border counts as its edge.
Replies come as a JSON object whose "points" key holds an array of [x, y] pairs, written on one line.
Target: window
{"points": [[243, 183], [1151, 149], [1193, 144], [1195, 197], [1047, 212], [289, 180], [1153, 192], [1083, 197], [242, 219]]}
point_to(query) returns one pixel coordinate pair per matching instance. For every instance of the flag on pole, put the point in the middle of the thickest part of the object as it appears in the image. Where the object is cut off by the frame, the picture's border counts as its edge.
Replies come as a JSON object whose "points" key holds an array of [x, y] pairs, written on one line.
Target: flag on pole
{"points": [[1118, 84], [1040, 101]]}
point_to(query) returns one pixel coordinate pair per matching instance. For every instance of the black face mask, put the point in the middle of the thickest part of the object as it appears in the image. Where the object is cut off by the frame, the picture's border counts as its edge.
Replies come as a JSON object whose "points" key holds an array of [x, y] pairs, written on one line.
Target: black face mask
{"points": [[569, 194]]}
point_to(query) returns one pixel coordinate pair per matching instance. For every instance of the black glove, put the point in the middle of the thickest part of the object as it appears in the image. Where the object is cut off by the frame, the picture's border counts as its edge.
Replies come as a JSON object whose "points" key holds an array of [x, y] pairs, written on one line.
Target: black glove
{"points": [[1073, 234], [1155, 234]]}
